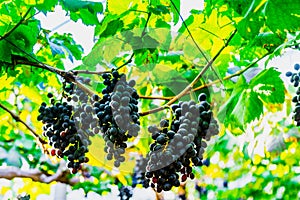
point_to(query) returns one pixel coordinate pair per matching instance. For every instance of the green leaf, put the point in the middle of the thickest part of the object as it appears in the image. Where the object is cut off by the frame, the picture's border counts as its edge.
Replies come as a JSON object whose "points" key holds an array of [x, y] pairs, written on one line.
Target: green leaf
{"points": [[23, 38], [250, 26], [242, 107], [246, 101], [283, 15], [242, 8], [268, 86], [248, 108], [104, 51], [85, 10], [76, 5], [158, 9], [149, 42], [114, 6], [174, 12], [112, 28]]}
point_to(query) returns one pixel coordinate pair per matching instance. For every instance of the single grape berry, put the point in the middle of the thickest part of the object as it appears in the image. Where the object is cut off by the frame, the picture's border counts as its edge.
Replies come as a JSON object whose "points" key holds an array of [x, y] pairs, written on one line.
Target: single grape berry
{"points": [[49, 95], [202, 97], [288, 74], [297, 66]]}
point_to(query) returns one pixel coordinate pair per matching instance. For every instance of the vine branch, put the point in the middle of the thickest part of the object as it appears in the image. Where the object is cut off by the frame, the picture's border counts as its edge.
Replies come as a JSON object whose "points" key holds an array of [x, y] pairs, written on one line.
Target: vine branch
{"points": [[190, 86], [69, 76], [18, 119], [37, 175], [89, 72]]}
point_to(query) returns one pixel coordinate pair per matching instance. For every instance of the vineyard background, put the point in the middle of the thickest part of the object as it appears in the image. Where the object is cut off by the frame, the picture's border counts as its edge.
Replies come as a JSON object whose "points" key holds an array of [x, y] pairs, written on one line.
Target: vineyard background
{"points": [[242, 49]]}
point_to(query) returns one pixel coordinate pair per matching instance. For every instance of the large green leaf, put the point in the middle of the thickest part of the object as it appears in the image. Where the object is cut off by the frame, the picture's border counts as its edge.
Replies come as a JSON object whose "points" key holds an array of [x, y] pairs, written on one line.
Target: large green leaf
{"points": [[252, 22], [104, 51], [21, 40], [246, 101], [268, 86], [282, 15]]}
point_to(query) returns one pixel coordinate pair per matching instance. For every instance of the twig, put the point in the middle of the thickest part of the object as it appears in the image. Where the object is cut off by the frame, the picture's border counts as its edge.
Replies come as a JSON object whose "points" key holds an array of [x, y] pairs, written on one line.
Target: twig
{"points": [[16, 26], [155, 97], [127, 62], [18, 119], [146, 24], [190, 86], [89, 72], [142, 11]]}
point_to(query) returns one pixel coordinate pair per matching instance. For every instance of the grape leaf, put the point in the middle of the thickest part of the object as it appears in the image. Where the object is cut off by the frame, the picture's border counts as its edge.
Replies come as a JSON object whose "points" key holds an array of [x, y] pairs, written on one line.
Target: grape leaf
{"points": [[268, 86], [236, 111], [283, 15], [85, 10], [246, 101]]}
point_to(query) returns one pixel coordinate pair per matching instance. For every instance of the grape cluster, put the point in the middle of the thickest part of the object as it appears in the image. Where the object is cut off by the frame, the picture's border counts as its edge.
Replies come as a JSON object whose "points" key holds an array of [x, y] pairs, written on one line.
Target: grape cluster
{"points": [[179, 144], [125, 193], [118, 115], [295, 78], [61, 130], [139, 172]]}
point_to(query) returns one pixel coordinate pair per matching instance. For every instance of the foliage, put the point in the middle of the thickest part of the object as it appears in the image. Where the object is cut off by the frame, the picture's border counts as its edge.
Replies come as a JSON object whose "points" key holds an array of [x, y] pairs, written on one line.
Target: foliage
{"points": [[228, 43]]}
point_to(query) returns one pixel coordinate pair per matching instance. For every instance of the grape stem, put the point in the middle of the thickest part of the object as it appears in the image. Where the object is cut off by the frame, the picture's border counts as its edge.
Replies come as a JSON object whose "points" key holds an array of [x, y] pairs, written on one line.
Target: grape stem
{"points": [[190, 86], [18, 119], [155, 97]]}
